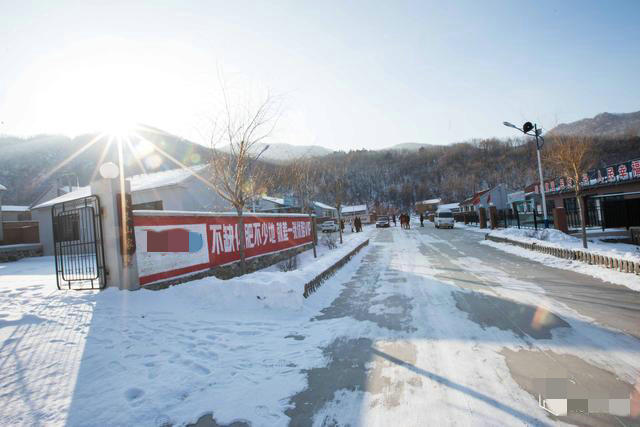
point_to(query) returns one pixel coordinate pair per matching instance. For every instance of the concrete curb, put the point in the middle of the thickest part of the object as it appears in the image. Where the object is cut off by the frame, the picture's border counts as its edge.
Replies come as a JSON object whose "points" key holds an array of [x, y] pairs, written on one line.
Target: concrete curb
{"points": [[618, 264], [317, 281]]}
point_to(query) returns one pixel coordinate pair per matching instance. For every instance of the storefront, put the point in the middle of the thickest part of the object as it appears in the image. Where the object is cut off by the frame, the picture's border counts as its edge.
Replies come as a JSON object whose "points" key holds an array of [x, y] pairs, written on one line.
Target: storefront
{"points": [[611, 196]]}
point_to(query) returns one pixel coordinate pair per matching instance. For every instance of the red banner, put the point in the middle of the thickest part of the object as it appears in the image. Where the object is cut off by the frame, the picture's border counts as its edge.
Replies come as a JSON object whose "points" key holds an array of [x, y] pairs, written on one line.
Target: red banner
{"points": [[175, 245]]}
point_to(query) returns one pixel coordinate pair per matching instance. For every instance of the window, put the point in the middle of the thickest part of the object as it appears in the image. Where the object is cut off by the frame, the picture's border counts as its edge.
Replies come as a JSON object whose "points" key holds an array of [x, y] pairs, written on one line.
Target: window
{"points": [[148, 206], [445, 215], [570, 204]]}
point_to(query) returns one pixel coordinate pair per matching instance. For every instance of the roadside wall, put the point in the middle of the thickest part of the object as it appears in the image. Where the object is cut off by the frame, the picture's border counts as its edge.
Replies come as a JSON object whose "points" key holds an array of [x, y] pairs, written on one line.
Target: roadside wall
{"points": [[175, 245]]}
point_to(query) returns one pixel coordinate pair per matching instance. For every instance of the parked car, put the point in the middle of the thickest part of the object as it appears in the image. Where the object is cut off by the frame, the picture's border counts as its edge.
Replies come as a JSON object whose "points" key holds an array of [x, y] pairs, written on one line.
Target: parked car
{"points": [[329, 226], [444, 219], [382, 222]]}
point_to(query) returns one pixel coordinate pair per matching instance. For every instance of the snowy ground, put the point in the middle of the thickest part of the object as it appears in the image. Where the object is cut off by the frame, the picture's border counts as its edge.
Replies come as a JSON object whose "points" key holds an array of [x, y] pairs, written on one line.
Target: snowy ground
{"points": [[151, 357], [555, 238], [423, 327]]}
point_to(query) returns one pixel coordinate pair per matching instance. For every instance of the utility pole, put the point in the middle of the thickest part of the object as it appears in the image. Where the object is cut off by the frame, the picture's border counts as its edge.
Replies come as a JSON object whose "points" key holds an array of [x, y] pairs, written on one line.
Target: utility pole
{"points": [[526, 128]]}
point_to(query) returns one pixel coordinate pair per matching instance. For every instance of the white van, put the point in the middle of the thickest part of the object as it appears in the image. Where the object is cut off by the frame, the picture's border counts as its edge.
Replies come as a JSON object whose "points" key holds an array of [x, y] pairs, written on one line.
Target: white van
{"points": [[444, 219]]}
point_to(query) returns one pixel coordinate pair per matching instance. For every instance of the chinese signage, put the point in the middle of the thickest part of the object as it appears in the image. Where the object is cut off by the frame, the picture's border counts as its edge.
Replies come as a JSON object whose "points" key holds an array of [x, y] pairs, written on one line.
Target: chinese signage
{"points": [[629, 170], [170, 246]]}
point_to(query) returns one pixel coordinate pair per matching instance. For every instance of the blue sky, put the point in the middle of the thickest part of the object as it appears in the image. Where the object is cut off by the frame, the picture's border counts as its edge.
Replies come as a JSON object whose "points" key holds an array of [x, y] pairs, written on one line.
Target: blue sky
{"points": [[351, 74]]}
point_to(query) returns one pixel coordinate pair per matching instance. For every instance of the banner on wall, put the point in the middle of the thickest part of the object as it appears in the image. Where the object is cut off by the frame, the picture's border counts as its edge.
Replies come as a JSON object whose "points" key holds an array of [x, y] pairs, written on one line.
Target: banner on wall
{"points": [[620, 172], [171, 246]]}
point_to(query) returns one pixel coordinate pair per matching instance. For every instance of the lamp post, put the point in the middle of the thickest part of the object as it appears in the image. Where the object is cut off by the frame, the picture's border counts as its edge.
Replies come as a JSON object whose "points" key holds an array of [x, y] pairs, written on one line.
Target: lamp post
{"points": [[526, 128]]}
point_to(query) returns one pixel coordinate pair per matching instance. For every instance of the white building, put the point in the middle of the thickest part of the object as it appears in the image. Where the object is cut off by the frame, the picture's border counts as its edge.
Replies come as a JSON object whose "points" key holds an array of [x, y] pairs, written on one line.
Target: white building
{"points": [[322, 210], [177, 189], [351, 212], [15, 213]]}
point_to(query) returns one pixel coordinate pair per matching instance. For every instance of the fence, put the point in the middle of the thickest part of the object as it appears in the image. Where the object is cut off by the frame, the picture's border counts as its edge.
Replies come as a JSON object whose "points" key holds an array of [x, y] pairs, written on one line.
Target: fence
{"points": [[16, 232], [610, 214], [593, 217], [508, 218], [532, 220], [470, 217], [619, 264]]}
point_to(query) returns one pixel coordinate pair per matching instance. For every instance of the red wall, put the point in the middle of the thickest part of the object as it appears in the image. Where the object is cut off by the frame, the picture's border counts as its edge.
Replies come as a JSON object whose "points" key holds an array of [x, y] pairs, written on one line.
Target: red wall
{"points": [[263, 235]]}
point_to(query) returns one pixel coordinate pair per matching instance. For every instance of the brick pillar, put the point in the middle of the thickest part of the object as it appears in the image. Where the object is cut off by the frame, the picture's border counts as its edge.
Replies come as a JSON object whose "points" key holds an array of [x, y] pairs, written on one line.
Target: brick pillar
{"points": [[493, 217], [119, 274], [482, 217], [560, 219]]}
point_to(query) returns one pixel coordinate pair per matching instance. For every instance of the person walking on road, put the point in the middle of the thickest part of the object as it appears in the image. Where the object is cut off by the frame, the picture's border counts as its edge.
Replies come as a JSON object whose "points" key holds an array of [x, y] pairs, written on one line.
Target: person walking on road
{"points": [[421, 220], [394, 220]]}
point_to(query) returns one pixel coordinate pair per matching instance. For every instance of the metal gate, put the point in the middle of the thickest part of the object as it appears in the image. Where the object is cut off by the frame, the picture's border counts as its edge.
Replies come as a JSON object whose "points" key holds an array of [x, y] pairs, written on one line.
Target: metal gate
{"points": [[77, 242]]}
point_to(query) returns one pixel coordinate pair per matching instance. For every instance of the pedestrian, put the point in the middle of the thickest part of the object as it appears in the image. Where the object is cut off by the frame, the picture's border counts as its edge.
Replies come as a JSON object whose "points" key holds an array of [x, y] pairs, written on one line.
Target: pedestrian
{"points": [[394, 220], [358, 225], [351, 224], [342, 225], [408, 218], [421, 220]]}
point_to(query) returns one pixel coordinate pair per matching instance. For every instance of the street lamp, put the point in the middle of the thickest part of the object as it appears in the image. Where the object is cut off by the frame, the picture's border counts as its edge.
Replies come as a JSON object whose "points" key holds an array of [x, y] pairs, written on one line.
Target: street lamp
{"points": [[109, 170], [526, 128]]}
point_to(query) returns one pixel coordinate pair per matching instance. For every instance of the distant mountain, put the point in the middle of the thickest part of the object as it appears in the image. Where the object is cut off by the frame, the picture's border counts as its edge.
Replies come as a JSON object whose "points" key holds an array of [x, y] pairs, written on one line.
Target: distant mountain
{"points": [[408, 146], [605, 124], [30, 166], [287, 152]]}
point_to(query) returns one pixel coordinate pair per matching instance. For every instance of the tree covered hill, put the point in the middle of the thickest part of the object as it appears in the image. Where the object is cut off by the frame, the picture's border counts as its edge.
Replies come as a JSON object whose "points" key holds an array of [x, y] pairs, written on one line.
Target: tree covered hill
{"points": [[604, 124], [452, 172], [30, 166], [394, 176]]}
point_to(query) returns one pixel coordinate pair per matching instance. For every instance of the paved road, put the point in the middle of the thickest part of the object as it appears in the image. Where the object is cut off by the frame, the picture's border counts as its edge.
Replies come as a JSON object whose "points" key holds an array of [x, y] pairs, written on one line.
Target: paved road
{"points": [[436, 328]]}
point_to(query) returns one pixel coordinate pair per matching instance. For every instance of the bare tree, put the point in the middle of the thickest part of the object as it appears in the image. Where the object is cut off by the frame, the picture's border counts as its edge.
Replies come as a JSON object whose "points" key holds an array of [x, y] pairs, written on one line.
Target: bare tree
{"points": [[237, 176], [572, 157], [336, 187], [304, 184]]}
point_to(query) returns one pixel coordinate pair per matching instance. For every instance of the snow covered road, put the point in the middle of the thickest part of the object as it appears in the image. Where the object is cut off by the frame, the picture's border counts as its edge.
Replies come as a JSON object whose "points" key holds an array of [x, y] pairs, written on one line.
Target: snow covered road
{"points": [[438, 329], [423, 327]]}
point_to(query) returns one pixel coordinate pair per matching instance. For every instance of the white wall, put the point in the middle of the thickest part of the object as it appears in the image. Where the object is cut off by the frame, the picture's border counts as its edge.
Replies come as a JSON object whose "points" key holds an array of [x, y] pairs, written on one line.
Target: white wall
{"points": [[190, 195], [45, 227]]}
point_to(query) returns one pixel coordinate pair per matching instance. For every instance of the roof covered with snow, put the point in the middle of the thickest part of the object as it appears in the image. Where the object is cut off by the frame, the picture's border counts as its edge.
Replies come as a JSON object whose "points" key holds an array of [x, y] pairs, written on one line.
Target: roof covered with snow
{"points": [[323, 206], [14, 208], [276, 200], [138, 183], [449, 206], [163, 179], [356, 208], [430, 202]]}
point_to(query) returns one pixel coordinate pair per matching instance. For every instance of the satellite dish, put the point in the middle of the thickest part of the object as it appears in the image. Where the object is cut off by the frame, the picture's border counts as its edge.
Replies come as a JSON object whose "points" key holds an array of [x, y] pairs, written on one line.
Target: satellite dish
{"points": [[527, 127]]}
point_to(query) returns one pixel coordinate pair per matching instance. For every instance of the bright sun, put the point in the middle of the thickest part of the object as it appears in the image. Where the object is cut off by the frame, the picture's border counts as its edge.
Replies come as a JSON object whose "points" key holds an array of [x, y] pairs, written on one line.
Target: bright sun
{"points": [[117, 126]]}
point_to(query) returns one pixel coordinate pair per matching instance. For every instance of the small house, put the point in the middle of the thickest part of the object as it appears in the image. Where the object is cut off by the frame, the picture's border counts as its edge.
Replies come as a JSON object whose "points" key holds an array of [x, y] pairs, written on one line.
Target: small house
{"points": [[177, 189]]}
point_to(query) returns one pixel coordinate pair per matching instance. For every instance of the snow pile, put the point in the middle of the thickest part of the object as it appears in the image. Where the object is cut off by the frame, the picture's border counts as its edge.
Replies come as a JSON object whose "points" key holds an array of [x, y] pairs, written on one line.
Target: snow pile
{"points": [[271, 288], [554, 238]]}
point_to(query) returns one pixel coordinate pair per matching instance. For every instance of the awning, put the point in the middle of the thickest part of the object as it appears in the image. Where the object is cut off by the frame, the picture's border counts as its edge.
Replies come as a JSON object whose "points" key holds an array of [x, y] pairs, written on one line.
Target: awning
{"points": [[600, 196]]}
